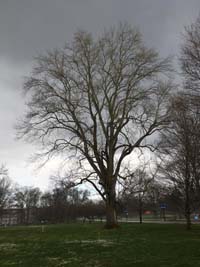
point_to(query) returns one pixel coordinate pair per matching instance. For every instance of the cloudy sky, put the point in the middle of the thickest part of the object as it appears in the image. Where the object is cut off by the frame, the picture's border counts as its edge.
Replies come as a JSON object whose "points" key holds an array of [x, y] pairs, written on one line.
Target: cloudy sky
{"points": [[29, 27]]}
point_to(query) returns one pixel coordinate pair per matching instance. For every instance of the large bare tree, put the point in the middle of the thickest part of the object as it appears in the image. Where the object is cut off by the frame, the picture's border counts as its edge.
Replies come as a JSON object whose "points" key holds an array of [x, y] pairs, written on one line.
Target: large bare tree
{"points": [[190, 65], [99, 99]]}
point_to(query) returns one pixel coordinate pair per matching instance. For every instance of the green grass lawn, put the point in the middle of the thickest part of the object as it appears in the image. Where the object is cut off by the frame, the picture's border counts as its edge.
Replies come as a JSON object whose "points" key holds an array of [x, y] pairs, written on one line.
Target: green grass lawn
{"points": [[92, 246]]}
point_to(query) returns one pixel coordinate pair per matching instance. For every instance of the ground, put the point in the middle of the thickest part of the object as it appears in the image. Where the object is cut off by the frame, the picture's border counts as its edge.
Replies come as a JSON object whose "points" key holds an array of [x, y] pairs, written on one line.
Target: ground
{"points": [[78, 245]]}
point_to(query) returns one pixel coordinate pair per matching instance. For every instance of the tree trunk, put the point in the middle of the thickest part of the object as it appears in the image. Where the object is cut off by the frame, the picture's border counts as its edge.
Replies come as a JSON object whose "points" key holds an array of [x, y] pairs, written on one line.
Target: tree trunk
{"points": [[187, 210], [188, 221], [111, 218], [140, 209], [27, 215], [187, 199]]}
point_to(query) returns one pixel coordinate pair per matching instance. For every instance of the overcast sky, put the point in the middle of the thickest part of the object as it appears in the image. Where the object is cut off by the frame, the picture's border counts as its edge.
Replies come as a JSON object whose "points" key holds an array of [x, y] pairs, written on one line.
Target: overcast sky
{"points": [[29, 27]]}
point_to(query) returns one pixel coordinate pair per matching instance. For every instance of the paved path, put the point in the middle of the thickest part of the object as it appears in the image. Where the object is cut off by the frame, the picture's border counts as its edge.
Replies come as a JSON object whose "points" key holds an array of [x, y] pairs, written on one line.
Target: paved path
{"points": [[155, 221]]}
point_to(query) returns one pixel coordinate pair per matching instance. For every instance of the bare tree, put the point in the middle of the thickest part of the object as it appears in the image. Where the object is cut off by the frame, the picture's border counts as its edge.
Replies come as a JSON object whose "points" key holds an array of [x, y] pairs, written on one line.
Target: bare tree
{"points": [[190, 58], [27, 199], [46, 199], [5, 187], [190, 64], [180, 146], [98, 100], [136, 185]]}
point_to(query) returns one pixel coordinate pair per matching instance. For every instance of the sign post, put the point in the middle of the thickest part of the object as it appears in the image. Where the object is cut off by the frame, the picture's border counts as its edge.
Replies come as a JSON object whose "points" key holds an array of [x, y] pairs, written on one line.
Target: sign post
{"points": [[163, 207]]}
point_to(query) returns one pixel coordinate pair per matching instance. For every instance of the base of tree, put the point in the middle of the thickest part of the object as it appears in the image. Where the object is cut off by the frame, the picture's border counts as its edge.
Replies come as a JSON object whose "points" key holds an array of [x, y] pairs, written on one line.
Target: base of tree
{"points": [[111, 226], [188, 227]]}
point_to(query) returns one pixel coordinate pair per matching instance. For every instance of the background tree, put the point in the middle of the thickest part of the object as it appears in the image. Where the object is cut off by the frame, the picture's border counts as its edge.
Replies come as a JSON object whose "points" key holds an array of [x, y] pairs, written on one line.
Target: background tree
{"points": [[98, 100], [136, 187], [46, 199], [190, 59], [175, 200], [180, 146], [27, 199], [155, 196], [190, 64], [63, 203], [5, 188]]}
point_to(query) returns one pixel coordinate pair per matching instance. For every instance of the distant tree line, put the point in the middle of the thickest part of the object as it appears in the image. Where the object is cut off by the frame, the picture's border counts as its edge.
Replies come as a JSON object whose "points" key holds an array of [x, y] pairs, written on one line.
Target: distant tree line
{"points": [[139, 195], [55, 206]]}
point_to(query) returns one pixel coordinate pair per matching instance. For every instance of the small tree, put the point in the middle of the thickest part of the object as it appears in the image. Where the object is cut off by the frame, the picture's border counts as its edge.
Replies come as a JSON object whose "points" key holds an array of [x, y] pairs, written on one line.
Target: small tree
{"points": [[136, 186], [99, 101], [5, 188]]}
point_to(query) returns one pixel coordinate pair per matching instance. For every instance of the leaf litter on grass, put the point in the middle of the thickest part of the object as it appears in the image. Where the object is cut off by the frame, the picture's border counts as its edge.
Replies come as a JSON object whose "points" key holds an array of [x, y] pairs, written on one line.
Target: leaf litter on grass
{"points": [[102, 242], [8, 246]]}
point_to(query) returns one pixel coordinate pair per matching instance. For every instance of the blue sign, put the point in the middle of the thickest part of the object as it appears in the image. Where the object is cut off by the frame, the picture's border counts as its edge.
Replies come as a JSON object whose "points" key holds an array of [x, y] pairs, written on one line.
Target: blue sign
{"points": [[163, 206]]}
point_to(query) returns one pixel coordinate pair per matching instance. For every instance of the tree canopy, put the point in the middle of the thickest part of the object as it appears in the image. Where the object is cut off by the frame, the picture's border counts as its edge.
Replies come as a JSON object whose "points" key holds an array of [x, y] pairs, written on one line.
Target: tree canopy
{"points": [[98, 100]]}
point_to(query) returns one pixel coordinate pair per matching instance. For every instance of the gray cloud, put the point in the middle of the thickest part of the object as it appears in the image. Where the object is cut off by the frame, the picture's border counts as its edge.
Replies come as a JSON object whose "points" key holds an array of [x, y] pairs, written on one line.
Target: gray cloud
{"points": [[28, 27]]}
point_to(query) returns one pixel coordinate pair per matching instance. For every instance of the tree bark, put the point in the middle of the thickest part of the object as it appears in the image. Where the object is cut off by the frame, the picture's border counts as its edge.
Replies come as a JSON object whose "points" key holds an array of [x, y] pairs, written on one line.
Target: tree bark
{"points": [[188, 220], [140, 209], [187, 197], [111, 217], [187, 209]]}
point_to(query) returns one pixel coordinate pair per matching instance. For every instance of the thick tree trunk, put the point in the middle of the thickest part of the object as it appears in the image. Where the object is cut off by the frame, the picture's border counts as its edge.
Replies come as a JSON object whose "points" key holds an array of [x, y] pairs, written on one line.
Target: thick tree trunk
{"points": [[188, 221], [111, 217]]}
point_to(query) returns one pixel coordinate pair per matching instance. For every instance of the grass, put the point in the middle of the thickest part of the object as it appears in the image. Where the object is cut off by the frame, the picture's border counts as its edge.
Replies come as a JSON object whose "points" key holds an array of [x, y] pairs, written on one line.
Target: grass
{"points": [[78, 245]]}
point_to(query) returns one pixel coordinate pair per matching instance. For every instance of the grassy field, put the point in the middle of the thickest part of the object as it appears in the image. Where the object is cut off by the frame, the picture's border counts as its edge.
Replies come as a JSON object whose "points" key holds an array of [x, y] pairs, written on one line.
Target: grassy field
{"points": [[92, 246]]}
